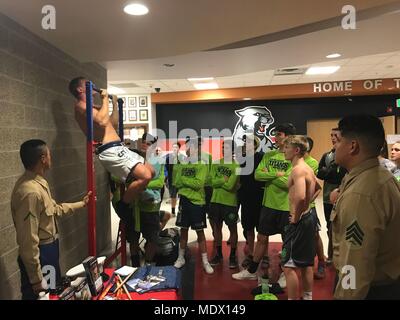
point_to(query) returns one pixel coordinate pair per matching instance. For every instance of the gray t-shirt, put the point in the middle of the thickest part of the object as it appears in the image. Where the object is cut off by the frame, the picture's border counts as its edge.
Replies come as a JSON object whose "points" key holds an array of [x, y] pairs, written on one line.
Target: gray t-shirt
{"points": [[387, 164]]}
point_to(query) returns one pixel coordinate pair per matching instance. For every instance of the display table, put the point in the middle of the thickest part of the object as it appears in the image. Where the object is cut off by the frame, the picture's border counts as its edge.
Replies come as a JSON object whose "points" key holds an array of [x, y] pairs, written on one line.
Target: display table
{"points": [[168, 294]]}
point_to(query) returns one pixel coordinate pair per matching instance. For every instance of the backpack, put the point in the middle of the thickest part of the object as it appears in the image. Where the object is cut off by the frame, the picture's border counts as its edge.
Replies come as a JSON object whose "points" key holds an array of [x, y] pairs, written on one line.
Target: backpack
{"points": [[168, 247]]}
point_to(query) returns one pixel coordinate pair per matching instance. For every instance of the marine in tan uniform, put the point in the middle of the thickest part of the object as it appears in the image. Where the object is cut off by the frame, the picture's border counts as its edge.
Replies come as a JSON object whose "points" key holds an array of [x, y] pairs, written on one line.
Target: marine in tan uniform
{"points": [[34, 214], [366, 216]]}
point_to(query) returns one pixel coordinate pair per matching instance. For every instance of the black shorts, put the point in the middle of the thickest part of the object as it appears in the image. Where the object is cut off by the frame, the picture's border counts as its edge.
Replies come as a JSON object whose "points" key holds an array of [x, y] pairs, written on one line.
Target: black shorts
{"points": [[272, 221], [208, 191], [173, 191], [190, 215], [222, 213], [149, 228], [250, 215], [299, 249]]}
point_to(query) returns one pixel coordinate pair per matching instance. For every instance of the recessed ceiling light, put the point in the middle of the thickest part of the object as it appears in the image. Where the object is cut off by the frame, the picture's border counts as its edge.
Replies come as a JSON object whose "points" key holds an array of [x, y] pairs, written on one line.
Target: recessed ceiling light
{"points": [[136, 9], [115, 90], [322, 70], [246, 98], [333, 55], [200, 79], [206, 86]]}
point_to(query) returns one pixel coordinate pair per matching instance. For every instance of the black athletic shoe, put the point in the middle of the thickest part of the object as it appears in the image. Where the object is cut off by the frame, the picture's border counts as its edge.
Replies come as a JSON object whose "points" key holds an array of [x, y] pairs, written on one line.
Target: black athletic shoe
{"points": [[274, 288], [216, 260], [246, 262], [233, 263]]}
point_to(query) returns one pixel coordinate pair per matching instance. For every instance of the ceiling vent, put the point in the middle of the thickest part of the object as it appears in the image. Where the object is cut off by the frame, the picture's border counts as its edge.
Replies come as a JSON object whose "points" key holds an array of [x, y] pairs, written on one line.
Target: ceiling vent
{"points": [[125, 85], [289, 71]]}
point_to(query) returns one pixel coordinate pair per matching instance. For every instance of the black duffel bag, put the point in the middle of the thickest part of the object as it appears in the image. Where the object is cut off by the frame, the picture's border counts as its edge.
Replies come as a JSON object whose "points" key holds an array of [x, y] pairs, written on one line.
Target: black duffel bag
{"points": [[168, 247]]}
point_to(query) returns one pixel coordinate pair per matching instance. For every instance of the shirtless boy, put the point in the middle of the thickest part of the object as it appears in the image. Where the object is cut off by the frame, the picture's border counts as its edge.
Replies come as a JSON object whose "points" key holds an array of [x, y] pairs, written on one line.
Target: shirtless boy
{"points": [[298, 239]]}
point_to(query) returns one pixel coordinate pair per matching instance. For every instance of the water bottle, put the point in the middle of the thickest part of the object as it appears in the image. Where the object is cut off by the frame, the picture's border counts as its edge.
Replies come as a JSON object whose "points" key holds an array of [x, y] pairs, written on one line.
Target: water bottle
{"points": [[264, 284]]}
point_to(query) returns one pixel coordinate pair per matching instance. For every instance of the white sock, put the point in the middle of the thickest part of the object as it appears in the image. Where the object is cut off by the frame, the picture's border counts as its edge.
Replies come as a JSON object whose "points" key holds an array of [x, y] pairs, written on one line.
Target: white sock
{"points": [[307, 295], [182, 253], [204, 258]]}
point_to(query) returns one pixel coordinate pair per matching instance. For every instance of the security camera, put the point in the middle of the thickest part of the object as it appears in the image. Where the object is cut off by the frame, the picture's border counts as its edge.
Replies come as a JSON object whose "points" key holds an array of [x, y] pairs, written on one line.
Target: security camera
{"points": [[157, 89]]}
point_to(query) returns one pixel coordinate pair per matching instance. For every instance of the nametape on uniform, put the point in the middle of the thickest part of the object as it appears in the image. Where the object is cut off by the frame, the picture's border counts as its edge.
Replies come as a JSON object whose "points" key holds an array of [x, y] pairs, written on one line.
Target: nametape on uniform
{"points": [[392, 138]]}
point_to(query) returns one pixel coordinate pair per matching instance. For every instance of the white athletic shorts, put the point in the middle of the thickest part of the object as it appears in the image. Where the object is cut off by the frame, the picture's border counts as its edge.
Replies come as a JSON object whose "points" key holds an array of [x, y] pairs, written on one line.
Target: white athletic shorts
{"points": [[119, 161]]}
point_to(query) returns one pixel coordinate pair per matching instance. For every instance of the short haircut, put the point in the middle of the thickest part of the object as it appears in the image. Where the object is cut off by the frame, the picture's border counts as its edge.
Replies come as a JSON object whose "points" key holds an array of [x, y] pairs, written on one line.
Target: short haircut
{"points": [[310, 143], [31, 151], [287, 128], [74, 84], [384, 150], [367, 129], [298, 141], [177, 143], [147, 137]]}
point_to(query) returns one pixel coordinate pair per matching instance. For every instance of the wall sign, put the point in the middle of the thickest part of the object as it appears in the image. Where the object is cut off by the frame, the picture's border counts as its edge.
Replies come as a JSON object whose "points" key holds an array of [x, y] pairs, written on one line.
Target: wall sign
{"points": [[347, 86]]}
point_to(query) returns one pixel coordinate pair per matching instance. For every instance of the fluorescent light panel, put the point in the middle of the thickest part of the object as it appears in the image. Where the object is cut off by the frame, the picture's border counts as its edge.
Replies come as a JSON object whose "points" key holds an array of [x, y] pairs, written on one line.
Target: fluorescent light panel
{"points": [[115, 90], [322, 70], [206, 86], [200, 79], [333, 55]]}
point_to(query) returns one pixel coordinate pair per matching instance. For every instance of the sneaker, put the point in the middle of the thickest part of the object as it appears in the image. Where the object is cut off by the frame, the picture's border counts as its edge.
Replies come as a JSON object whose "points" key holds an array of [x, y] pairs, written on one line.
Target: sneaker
{"points": [[216, 260], [233, 263], [282, 281], [274, 288], [179, 263], [207, 268], [320, 274], [244, 275], [246, 262]]}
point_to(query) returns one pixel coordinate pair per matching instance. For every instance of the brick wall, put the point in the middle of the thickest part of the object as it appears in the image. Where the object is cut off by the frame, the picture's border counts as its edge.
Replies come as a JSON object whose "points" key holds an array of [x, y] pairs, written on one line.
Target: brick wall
{"points": [[35, 103]]}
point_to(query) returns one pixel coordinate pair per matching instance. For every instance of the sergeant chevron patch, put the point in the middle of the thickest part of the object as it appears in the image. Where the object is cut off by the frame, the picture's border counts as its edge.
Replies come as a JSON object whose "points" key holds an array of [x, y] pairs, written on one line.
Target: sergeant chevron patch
{"points": [[354, 234]]}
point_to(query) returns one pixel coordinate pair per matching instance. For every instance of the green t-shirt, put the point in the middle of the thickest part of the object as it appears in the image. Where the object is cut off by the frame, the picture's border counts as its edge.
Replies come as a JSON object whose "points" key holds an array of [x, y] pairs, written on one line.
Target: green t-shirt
{"points": [[276, 193], [224, 192], [155, 184], [207, 159], [190, 181], [314, 166]]}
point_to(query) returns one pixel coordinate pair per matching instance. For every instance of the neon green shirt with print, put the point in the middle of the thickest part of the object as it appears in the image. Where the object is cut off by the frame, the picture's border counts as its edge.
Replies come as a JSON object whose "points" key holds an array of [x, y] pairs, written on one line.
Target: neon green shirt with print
{"points": [[313, 164], [276, 193], [224, 192], [190, 181], [156, 184]]}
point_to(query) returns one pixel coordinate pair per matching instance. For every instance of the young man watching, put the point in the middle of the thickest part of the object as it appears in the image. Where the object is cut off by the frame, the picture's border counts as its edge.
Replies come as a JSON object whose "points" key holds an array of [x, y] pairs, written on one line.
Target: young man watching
{"points": [[190, 180], [299, 237], [224, 204], [274, 170]]}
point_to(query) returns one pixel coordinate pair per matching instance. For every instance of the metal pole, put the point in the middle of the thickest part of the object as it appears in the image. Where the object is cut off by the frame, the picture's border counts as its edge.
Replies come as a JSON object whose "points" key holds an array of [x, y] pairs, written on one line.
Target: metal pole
{"points": [[122, 187], [90, 170]]}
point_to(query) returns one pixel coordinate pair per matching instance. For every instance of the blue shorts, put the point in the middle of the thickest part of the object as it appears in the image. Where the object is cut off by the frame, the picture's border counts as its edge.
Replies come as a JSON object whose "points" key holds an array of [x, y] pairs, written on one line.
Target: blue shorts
{"points": [[190, 215]]}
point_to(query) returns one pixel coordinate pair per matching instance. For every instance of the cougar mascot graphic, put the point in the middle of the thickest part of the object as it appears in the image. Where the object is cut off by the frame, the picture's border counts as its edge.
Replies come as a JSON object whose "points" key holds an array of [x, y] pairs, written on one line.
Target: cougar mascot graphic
{"points": [[255, 120]]}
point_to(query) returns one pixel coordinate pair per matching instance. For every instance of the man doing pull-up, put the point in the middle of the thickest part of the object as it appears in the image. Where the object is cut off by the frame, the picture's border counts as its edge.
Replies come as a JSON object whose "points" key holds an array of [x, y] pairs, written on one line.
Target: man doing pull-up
{"points": [[113, 155]]}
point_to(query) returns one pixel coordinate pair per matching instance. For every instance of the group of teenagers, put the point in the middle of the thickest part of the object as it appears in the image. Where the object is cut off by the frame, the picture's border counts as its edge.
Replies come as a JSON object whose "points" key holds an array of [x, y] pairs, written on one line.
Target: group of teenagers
{"points": [[276, 197]]}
